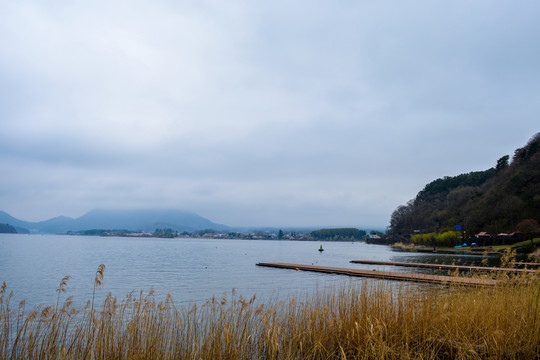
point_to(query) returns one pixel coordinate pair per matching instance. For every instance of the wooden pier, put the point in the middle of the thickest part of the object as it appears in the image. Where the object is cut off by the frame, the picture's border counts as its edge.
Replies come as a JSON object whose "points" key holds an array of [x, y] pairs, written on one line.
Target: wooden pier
{"points": [[444, 267], [434, 279]]}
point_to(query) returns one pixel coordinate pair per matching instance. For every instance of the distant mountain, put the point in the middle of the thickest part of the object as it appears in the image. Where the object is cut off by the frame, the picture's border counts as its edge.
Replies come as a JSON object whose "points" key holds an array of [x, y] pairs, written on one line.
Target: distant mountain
{"points": [[55, 225], [134, 220], [19, 225], [145, 220]]}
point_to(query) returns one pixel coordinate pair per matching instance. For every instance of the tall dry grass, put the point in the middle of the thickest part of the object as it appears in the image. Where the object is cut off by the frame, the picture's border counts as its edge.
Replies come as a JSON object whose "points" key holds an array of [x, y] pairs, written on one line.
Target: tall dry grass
{"points": [[376, 320]]}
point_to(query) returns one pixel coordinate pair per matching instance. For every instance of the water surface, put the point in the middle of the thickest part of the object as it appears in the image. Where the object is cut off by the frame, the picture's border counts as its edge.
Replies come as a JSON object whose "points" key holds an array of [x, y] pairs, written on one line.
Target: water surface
{"points": [[191, 270]]}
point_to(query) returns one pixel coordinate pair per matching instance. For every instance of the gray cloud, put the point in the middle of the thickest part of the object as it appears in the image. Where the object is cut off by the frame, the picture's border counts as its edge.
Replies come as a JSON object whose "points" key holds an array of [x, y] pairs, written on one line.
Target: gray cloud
{"points": [[329, 113]]}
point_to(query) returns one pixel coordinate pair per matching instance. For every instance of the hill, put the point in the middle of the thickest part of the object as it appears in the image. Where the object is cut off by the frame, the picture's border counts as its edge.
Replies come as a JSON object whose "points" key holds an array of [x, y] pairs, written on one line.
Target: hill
{"points": [[134, 220], [494, 200], [19, 225], [7, 229]]}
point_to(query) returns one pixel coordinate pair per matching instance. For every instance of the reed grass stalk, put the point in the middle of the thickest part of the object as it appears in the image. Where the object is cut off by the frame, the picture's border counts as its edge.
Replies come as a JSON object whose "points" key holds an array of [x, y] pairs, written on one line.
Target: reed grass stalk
{"points": [[375, 320]]}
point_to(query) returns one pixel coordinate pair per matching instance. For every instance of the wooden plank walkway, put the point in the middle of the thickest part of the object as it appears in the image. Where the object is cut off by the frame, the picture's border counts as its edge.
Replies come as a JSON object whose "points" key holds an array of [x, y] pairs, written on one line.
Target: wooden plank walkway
{"points": [[434, 279], [444, 267]]}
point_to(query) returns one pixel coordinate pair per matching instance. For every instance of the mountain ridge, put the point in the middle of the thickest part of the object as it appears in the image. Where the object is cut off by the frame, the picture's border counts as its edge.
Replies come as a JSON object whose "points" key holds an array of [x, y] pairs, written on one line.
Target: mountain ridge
{"points": [[134, 220]]}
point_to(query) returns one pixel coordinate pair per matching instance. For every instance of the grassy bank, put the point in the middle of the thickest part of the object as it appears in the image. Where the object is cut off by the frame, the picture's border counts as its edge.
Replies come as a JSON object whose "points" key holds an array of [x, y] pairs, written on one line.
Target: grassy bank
{"points": [[374, 321], [532, 245], [530, 248]]}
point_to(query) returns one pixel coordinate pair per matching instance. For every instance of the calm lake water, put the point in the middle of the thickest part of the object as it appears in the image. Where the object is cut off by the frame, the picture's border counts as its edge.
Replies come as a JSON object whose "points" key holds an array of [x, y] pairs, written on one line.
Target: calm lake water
{"points": [[191, 270]]}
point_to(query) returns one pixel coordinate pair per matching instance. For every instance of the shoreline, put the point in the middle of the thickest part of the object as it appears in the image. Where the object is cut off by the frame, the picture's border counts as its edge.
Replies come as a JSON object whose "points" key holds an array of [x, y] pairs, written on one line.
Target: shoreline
{"points": [[480, 251], [445, 250]]}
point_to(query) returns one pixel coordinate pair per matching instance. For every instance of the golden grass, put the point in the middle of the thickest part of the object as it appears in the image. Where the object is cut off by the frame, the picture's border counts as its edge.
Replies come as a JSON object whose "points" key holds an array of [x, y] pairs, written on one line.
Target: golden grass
{"points": [[376, 320]]}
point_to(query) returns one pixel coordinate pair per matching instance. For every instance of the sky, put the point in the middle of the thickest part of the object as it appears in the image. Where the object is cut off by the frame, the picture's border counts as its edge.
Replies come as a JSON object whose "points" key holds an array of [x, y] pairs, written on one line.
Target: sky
{"points": [[258, 113]]}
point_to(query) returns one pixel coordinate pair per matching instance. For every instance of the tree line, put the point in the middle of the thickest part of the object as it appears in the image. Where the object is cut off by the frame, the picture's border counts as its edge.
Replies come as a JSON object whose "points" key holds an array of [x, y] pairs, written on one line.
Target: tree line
{"points": [[339, 233]]}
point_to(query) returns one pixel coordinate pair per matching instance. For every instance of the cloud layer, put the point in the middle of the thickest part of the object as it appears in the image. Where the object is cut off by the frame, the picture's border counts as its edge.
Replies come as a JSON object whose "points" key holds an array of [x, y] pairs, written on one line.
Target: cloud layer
{"points": [[278, 114]]}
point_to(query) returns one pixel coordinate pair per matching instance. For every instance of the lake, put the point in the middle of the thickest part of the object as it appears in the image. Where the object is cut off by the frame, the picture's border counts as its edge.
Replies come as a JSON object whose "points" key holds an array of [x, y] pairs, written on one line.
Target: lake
{"points": [[191, 270]]}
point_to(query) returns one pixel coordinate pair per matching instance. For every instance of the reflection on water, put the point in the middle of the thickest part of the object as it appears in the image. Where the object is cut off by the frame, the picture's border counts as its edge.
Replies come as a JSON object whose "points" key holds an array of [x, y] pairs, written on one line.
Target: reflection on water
{"points": [[191, 270]]}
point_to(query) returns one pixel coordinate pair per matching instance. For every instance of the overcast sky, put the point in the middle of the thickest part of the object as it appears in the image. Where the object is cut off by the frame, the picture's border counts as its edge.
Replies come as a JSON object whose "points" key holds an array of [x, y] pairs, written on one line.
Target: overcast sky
{"points": [[266, 113]]}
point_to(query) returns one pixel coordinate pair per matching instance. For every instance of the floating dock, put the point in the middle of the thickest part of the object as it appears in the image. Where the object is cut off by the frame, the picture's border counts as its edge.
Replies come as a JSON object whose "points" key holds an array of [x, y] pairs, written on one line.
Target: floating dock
{"points": [[444, 267], [387, 275]]}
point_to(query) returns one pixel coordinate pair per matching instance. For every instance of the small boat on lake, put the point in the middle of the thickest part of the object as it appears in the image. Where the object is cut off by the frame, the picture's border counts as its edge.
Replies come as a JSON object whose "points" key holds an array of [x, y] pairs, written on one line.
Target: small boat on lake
{"points": [[321, 249]]}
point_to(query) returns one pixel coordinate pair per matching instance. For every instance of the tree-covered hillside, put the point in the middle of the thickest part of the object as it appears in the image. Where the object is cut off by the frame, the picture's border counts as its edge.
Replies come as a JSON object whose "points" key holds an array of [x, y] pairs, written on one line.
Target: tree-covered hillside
{"points": [[495, 200], [7, 229]]}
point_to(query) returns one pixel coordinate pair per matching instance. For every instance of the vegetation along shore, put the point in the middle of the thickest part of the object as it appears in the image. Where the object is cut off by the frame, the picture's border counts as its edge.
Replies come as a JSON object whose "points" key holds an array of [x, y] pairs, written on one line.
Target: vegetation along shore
{"points": [[375, 320]]}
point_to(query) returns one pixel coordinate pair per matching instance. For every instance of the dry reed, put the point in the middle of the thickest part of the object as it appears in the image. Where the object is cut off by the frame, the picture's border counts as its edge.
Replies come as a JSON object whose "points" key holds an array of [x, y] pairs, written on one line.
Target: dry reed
{"points": [[376, 320]]}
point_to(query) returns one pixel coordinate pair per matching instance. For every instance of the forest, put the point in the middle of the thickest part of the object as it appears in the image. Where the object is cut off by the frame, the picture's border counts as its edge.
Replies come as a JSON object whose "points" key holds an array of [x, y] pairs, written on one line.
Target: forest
{"points": [[337, 234], [502, 199], [7, 229]]}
